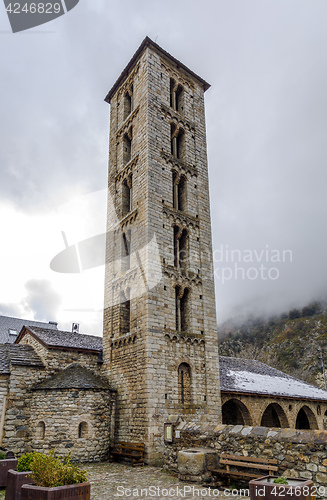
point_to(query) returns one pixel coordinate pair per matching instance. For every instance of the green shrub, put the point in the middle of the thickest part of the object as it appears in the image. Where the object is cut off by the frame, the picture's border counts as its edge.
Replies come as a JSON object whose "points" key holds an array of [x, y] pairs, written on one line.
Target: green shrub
{"points": [[281, 480], [2, 455], [24, 461], [49, 471]]}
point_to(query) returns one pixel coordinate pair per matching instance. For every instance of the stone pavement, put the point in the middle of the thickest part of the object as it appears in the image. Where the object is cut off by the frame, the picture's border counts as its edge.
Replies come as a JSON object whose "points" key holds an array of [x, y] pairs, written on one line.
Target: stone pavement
{"points": [[111, 481]]}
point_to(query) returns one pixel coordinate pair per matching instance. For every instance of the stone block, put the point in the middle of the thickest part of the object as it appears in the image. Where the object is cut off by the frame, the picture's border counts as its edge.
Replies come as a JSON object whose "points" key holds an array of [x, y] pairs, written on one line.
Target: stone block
{"points": [[193, 463]]}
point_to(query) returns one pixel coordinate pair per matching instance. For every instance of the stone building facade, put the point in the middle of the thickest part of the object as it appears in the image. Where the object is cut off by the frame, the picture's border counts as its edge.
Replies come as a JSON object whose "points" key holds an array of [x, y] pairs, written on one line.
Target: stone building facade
{"points": [[53, 395], [160, 330]]}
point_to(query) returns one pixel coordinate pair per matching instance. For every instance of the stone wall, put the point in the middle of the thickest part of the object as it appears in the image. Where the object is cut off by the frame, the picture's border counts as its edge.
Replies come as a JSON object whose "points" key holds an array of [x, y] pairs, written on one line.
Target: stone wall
{"points": [[72, 420], [15, 425], [21, 412], [58, 359], [300, 453]]}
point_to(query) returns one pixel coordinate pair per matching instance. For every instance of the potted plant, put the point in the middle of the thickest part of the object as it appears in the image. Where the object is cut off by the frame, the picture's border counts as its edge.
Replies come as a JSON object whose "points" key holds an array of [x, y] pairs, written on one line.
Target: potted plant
{"points": [[16, 478], [284, 488], [7, 461], [53, 478]]}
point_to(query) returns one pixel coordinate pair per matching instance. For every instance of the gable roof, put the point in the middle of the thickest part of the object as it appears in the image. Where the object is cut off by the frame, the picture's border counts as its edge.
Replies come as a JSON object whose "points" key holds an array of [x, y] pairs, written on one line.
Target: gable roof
{"points": [[147, 42], [253, 377], [22, 355], [8, 323], [58, 339], [74, 376]]}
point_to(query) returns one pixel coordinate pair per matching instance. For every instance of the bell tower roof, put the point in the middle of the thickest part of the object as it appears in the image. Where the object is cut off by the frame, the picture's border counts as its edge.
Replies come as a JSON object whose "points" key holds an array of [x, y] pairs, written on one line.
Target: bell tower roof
{"points": [[147, 42]]}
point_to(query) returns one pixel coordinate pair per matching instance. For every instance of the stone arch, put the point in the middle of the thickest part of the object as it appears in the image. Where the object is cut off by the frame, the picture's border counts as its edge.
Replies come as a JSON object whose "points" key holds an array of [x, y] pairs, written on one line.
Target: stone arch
{"points": [[234, 412], [274, 416], [306, 419]]}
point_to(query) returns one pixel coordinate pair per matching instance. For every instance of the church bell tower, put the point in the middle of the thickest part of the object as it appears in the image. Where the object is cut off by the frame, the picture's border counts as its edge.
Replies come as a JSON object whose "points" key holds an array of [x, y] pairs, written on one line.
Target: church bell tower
{"points": [[160, 329]]}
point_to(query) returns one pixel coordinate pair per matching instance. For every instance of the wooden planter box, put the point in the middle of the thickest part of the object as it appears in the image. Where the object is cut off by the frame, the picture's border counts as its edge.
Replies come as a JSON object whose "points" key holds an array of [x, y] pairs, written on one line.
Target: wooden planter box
{"points": [[72, 492], [15, 483], [264, 488], [5, 465]]}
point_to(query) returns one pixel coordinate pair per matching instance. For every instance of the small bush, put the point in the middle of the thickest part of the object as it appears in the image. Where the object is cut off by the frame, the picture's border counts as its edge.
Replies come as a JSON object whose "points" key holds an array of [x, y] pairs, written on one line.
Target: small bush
{"points": [[281, 480], [2, 455], [24, 462], [49, 471]]}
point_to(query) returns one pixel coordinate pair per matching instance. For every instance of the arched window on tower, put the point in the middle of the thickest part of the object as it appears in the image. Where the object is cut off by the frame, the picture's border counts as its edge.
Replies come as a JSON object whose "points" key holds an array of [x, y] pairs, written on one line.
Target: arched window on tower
{"points": [[183, 250], [180, 144], [182, 309], [180, 248], [127, 250], [179, 191], [185, 311], [175, 189], [179, 99], [182, 194], [178, 293], [176, 96], [127, 146], [184, 384], [127, 196], [128, 102], [172, 93], [177, 141]]}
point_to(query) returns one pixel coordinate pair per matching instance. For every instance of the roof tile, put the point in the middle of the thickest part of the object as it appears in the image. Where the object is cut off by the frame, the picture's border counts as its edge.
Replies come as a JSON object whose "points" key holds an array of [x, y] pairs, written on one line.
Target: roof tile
{"points": [[74, 376], [61, 339]]}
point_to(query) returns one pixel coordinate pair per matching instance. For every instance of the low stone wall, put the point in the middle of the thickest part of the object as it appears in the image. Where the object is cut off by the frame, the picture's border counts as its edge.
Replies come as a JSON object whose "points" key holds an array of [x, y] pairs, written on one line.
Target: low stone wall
{"points": [[300, 453]]}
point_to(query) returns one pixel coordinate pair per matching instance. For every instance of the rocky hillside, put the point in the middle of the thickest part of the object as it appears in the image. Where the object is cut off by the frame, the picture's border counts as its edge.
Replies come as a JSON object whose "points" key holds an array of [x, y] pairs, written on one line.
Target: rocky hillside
{"points": [[290, 342]]}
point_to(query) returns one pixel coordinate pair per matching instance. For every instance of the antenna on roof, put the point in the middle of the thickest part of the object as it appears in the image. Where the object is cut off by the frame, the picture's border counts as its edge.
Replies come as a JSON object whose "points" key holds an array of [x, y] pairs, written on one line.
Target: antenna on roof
{"points": [[75, 328]]}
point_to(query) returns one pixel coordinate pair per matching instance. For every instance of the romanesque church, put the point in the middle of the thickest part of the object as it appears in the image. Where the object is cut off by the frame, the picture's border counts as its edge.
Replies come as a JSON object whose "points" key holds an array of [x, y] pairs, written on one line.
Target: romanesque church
{"points": [[158, 360]]}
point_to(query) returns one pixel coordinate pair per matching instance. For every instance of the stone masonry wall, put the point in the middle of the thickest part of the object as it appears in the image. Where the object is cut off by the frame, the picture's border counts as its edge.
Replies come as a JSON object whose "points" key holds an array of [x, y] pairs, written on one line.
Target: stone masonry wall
{"points": [[143, 363], [124, 351], [16, 423], [300, 454], [58, 359], [15, 429], [72, 420], [195, 342]]}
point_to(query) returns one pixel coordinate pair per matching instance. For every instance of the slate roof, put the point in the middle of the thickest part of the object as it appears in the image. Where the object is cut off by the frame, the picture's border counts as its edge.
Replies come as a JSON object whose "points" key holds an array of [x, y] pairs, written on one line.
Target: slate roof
{"points": [[252, 377], [7, 323], [23, 355], [73, 377], [58, 339], [147, 42]]}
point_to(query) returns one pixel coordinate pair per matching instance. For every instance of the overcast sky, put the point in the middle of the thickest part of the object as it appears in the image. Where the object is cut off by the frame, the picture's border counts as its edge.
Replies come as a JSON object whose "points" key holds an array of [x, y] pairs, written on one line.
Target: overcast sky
{"points": [[266, 129]]}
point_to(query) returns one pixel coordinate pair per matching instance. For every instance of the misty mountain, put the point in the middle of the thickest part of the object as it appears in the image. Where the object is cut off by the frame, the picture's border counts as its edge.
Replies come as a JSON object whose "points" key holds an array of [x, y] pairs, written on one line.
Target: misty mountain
{"points": [[291, 342]]}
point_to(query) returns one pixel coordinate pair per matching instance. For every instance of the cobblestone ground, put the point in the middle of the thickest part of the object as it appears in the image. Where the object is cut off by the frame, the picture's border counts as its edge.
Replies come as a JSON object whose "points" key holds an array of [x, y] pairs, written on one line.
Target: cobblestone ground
{"points": [[113, 481]]}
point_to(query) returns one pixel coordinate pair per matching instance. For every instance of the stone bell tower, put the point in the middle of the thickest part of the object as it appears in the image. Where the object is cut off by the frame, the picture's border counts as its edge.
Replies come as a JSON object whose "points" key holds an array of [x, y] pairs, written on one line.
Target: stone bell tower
{"points": [[160, 338]]}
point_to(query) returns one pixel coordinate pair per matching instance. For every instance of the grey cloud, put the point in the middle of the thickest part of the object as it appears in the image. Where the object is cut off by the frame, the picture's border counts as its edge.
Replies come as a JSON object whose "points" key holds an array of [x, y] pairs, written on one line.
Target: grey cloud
{"points": [[42, 300], [266, 121]]}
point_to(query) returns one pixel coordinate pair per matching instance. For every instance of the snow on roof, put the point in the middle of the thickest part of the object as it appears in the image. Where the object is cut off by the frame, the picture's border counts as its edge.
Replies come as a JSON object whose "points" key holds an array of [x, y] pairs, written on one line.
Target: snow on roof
{"points": [[251, 376]]}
